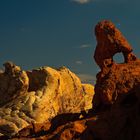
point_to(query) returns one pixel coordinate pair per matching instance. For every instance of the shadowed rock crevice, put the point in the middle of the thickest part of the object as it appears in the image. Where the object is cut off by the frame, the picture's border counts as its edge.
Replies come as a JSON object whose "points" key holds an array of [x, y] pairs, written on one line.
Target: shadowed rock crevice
{"points": [[13, 82], [129, 100], [37, 79]]}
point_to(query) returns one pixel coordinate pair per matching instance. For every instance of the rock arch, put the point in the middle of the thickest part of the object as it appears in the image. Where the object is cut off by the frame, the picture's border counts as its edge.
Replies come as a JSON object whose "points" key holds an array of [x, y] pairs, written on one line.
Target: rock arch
{"points": [[109, 42]]}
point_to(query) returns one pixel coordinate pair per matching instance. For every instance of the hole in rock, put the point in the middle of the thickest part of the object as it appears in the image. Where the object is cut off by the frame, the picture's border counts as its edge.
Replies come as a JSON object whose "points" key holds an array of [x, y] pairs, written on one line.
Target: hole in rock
{"points": [[118, 58]]}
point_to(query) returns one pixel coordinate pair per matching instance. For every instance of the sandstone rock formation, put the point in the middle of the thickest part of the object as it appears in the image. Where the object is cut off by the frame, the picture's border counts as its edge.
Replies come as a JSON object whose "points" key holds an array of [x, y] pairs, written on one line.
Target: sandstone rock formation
{"points": [[114, 79], [117, 88], [120, 122], [37, 96], [116, 104], [13, 82], [73, 130], [109, 42]]}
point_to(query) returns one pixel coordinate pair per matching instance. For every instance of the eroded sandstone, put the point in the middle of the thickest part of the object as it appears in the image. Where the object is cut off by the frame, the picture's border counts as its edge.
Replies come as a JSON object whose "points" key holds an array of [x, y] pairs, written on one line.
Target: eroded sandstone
{"points": [[114, 79], [39, 95], [116, 104], [109, 42], [117, 88]]}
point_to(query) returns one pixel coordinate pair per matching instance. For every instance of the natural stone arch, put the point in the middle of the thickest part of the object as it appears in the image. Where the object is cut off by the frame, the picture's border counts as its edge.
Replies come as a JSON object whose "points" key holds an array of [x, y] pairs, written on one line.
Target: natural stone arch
{"points": [[109, 42]]}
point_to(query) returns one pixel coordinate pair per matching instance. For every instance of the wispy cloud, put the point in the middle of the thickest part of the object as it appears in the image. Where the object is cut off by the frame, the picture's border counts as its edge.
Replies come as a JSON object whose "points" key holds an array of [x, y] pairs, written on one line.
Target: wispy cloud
{"points": [[85, 46], [87, 78], [82, 1], [79, 62]]}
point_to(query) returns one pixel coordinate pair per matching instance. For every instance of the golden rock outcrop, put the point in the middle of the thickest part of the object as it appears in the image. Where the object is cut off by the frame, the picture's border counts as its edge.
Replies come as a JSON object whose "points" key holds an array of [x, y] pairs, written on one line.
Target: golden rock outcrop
{"points": [[37, 96]]}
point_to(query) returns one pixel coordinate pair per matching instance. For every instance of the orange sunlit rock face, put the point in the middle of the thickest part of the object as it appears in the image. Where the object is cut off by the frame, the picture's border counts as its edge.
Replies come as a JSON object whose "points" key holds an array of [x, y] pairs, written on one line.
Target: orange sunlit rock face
{"points": [[114, 79], [117, 88], [109, 42]]}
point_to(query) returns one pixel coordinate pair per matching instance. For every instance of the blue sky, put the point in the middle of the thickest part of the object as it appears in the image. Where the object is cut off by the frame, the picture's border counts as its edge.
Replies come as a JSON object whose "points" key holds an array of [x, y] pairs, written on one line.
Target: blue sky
{"points": [[56, 33]]}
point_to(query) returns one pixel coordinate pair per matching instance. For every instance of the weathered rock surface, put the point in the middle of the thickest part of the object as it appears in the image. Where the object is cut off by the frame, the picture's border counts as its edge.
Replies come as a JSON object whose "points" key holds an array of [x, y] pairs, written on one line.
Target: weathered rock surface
{"points": [[116, 103], [114, 79], [118, 81], [39, 95], [13, 82], [120, 122], [117, 88], [63, 127], [109, 42]]}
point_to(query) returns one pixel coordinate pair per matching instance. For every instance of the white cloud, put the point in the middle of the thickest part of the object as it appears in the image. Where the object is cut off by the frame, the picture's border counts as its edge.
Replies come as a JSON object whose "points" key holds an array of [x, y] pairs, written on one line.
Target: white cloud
{"points": [[82, 1], [85, 46], [87, 78], [79, 62]]}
